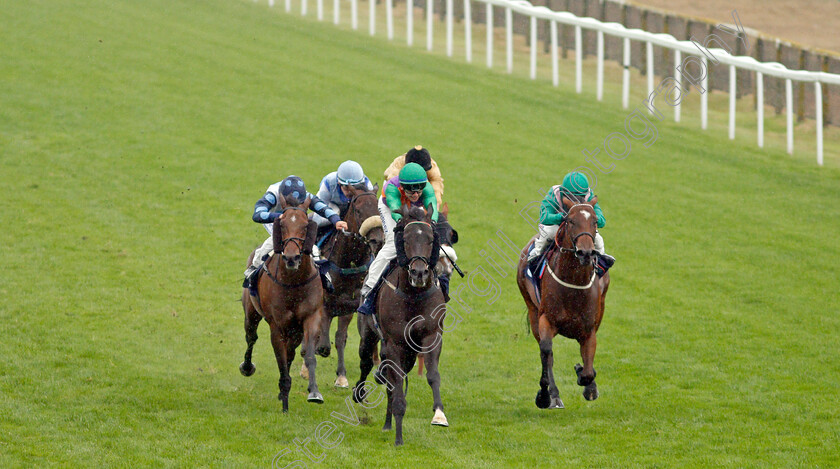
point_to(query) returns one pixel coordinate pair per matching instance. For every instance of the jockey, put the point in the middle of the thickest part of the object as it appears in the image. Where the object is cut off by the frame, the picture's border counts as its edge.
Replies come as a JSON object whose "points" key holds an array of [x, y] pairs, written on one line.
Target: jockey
{"points": [[410, 188], [575, 187], [420, 156], [266, 211], [335, 192]]}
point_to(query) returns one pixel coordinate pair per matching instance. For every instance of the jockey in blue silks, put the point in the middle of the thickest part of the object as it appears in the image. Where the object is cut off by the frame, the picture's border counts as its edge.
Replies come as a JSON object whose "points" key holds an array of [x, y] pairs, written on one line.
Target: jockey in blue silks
{"points": [[267, 209]]}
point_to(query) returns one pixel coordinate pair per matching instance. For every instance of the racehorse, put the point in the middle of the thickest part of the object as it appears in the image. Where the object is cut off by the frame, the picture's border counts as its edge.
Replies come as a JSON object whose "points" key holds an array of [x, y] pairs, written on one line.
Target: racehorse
{"points": [[572, 300], [349, 255], [446, 264], [411, 310], [290, 298]]}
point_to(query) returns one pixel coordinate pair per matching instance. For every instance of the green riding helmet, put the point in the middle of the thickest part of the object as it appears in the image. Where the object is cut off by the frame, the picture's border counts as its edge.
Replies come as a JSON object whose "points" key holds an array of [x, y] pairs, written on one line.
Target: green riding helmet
{"points": [[576, 183], [413, 177]]}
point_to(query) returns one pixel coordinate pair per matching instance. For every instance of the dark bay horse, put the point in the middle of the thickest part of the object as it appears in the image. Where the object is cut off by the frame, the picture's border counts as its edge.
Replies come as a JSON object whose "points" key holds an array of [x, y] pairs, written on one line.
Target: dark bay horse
{"points": [[411, 311], [572, 301], [350, 254], [290, 299]]}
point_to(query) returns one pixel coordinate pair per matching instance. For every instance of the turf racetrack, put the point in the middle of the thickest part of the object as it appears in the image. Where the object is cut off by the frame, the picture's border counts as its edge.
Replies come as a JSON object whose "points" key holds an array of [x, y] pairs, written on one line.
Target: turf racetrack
{"points": [[136, 136]]}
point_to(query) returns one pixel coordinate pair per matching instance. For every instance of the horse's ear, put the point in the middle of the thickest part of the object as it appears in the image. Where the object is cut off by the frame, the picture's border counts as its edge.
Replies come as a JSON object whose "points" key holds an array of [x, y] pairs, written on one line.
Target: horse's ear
{"points": [[444, 209], [376, 188], [353, 191], [593, 201], [567, 204], [281, 201], [429, 211], [305, 205]]}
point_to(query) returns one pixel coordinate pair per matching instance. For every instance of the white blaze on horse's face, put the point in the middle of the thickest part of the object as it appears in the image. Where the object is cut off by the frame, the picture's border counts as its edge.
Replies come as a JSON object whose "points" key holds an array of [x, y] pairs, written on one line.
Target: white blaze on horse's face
{"points": [[293, 218], [585, 215]]}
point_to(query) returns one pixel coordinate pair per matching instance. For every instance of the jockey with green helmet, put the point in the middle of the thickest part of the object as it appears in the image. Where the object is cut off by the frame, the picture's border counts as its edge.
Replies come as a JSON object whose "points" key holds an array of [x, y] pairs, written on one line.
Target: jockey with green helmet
{"points": [[575, 187], [411, 188]]}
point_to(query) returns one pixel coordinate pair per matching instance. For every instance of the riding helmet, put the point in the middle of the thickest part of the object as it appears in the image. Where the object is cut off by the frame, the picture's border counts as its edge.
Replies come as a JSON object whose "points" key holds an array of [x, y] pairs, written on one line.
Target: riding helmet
{"points": [[293, 188], [576, 183], [420, 156], [350, 173], [413, 173]]}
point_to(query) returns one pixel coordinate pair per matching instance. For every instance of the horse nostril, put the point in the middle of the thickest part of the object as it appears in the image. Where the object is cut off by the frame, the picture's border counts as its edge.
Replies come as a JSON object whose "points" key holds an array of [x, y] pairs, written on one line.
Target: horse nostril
{"points": [[297, 258]]}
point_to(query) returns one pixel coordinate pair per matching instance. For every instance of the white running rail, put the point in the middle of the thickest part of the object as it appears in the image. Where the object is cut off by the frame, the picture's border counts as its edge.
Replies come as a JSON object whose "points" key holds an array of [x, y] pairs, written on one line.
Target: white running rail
{"points": [[534, 13]]}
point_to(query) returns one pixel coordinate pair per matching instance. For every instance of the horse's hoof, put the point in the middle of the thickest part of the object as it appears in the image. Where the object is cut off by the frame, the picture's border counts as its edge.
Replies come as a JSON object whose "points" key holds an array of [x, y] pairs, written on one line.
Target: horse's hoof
{"points": [[556, 403], [247, 369], [543, 400], [323, 351], [304, 371], [386, 427], [439, 419], [341, 382], [590, 392], [315, 397]]}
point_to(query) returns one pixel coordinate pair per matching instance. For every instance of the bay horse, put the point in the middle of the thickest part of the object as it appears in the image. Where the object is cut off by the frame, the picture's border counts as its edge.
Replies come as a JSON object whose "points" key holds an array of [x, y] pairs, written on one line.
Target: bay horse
{"points": [[349, 254], [445, 266], [572, 300], [290, 299], [411, 310]]}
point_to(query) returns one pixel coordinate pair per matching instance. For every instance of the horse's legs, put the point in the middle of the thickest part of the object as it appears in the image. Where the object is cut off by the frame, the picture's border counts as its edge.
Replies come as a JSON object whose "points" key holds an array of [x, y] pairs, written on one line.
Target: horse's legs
{"points": [[367, 345], [549, 396], [399, 402], [281, 353], [340, 344], [323, 348], [252, 321], [586, 373], [388, 411], [420, 363], [312, 326], [433, 378]]}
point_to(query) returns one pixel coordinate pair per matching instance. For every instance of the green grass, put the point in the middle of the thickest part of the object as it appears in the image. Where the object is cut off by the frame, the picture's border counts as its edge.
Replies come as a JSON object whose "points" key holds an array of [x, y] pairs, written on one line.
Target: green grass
{"points": [[136, 136]]}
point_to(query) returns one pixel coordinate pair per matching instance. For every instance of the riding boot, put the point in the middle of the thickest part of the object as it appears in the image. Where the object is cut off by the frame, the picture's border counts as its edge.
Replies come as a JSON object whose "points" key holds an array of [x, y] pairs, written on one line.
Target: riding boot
{"points": [[324, 270], [326, 282], [251, 277], [367, 304], [605, 261], [533, 264], [444, 287]]}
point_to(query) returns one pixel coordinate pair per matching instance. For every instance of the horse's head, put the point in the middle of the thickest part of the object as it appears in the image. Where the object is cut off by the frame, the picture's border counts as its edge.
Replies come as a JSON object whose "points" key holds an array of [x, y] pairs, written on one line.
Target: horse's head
{"points": [[293, 232], [447, 237], [578, 233], [418, 244], [363, 217]]}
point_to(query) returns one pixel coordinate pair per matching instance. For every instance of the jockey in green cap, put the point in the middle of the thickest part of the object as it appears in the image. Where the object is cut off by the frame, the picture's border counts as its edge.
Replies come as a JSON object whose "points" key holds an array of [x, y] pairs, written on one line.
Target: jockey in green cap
{"points": [[575, 187], [412, 189]]}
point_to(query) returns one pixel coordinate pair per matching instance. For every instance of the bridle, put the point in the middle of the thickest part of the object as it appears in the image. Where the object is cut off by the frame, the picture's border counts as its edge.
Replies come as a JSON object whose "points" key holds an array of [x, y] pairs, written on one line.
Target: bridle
{"points": [[564, 225], [573, 249], [297, 241], [357, 216], [426, 260]]}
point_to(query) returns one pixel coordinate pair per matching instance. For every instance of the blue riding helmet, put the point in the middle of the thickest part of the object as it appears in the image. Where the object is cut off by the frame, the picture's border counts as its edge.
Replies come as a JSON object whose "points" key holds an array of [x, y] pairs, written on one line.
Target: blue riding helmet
{"points": [[293, 187]]}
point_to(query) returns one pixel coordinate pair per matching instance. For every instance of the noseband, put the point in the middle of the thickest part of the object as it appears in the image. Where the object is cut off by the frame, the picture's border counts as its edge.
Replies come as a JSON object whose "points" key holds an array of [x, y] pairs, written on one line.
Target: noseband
{"points": [[426, 260], [558, 241], [297, 241]]}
